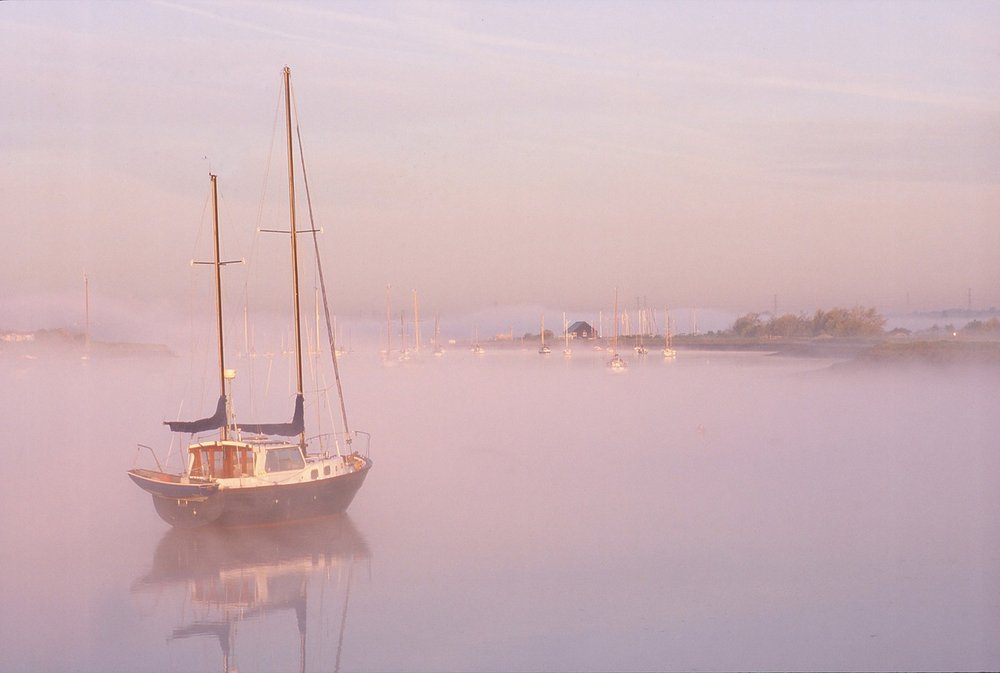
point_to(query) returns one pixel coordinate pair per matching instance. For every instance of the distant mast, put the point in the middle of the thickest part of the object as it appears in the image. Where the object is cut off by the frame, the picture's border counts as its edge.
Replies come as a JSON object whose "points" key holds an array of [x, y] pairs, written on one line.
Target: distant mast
{"points": [[614, 343], [566, 349], [388, 322], [416, 324], [86, 314]]}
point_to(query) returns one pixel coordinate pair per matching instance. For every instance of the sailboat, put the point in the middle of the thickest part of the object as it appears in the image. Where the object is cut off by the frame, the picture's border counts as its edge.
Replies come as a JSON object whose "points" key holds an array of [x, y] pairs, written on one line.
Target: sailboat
{"points": [[668, 352], [438, 350], [567, 351], [388, 327], [257, 473], [616, 363], [477, 347], [640, 348], [404, 352], [544, 350]]}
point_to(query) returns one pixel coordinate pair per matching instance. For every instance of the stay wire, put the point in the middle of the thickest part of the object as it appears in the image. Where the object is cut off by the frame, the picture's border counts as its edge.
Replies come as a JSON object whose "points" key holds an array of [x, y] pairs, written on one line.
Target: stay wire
{"points": [[322, 284]]}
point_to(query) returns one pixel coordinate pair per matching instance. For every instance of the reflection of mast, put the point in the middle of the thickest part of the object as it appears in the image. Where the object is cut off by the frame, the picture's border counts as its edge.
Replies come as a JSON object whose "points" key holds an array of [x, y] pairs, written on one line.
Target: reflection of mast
{"points": [[239, 574]]}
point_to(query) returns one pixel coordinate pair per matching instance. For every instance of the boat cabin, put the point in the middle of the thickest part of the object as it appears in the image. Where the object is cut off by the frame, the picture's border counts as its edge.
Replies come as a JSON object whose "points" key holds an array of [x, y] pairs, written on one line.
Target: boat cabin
{"points": [[231, 460]]}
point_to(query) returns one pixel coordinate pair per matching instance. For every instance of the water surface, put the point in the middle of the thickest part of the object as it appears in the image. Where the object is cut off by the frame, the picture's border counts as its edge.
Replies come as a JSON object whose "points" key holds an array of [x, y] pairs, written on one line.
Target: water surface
{"points": [[719, 512]]}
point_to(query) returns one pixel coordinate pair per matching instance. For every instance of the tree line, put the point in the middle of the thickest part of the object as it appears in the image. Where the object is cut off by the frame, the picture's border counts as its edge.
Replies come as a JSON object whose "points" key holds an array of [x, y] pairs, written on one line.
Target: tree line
{"points": [[837, 322]]}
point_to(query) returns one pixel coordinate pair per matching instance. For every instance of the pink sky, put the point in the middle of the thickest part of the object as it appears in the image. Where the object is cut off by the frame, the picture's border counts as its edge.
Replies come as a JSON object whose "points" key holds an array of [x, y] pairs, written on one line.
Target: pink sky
{"points": [[696, 154]]}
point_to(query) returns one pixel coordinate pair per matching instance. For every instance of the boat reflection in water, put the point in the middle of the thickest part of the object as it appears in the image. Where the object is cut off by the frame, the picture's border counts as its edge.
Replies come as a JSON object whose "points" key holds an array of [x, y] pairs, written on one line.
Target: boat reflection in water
{"points": [[232, 575]]}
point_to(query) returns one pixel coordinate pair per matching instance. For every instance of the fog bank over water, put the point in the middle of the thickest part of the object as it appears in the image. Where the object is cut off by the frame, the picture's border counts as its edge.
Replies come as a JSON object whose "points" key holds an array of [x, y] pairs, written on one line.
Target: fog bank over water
{"points": [[185, 323], [721, 511]]}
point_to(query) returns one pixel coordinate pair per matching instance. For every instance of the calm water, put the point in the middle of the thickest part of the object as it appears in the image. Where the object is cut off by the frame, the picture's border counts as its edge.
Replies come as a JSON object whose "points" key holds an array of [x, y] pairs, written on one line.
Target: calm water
{"points": [[723, 511]]}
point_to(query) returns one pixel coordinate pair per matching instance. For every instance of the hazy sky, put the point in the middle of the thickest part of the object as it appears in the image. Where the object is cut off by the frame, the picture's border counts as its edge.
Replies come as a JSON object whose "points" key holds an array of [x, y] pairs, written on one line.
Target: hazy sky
{"points": [[694, 153]]}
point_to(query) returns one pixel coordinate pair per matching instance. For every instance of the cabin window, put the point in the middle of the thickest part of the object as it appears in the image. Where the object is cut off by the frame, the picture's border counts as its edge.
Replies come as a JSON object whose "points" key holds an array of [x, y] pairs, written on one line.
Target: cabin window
{"points": [[208, 462], [326, 470], [222, 462], [248, 463], [196, 467], [243, 462], [314, 474], [283, 458]]}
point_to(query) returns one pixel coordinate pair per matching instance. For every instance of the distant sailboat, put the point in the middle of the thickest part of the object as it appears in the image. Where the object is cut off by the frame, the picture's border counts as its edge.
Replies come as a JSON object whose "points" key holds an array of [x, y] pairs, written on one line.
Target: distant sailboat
{"points": [[438, 350], [477, 348], [668, 352], [567, 352], [640, 348], [544, 350], [388, 326], [616, 363], [404, 353]]}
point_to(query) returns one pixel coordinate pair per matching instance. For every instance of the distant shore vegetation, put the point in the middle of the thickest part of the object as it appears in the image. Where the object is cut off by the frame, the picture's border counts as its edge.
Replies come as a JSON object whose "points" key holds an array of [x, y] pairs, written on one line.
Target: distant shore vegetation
{"points": [[836, 322], [858, 334]]}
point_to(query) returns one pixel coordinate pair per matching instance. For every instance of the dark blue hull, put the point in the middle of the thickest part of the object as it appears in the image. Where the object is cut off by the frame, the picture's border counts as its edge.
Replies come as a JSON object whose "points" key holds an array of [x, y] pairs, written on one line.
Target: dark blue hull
{"points": [[259, 505]]}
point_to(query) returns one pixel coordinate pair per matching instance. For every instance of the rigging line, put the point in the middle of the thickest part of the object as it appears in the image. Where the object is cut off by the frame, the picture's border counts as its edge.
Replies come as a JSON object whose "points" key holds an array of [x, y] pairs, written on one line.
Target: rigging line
{"points": [[322, 285], [255, 245]]}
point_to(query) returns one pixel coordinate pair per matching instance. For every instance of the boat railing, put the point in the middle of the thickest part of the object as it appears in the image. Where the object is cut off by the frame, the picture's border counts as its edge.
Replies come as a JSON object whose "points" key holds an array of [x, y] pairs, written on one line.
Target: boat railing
{"points": [[138, 450], [334, 441], [368, 440]]}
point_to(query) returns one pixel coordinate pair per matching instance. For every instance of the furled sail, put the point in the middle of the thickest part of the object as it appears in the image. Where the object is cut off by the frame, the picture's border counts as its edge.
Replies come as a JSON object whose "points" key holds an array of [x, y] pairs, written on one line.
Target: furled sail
{"points": [[213, 422], [295, 427]]}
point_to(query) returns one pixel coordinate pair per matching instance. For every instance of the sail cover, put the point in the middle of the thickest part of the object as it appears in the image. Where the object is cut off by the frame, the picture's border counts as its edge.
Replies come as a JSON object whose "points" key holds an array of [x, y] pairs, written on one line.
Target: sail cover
{"points": [[213, 422], [295, 427]]}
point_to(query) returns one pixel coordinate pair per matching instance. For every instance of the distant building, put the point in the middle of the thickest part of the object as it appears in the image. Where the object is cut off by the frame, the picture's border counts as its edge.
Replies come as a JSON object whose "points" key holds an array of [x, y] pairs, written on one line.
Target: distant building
{"points": [[582, 330]]}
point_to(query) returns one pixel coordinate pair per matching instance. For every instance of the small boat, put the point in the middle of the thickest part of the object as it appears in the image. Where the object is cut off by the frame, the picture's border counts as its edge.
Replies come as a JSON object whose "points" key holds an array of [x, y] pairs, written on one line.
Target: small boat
{"points": [[640, 348], [544, 350], [258, 473], [476, 346], [617, 362], [567, 351], [438, 350], [404, 351], [668, 352]]}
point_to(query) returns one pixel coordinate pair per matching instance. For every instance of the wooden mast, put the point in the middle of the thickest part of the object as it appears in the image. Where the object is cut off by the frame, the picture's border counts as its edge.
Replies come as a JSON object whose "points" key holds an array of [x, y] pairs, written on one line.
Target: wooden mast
{"points": [[218, 294], [294, 236], [615, 342]]}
